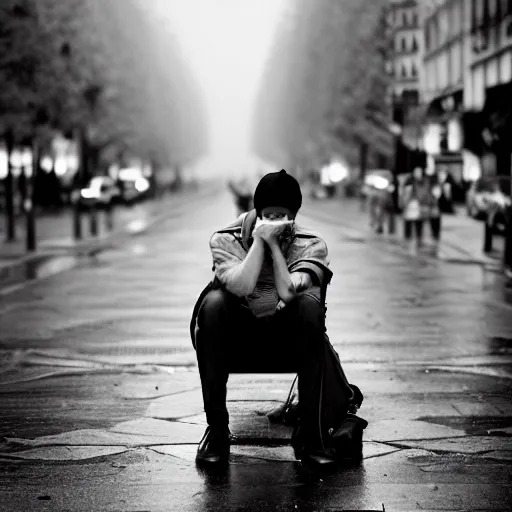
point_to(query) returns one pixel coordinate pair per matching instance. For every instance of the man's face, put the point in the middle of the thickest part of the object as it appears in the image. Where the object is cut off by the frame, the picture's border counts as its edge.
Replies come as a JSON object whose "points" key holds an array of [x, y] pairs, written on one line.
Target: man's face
{"points": [[277, 213]]}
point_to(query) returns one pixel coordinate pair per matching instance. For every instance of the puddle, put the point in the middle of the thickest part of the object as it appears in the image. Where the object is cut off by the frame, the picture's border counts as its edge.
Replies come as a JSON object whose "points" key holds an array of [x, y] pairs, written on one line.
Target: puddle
{"points": [[37, 268]]}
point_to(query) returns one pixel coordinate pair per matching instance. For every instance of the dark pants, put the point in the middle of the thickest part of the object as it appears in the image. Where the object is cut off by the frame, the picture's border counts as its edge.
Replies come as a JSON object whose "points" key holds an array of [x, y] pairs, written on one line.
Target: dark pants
{"points": [[229, 336], [418, 229], [435, 227]]}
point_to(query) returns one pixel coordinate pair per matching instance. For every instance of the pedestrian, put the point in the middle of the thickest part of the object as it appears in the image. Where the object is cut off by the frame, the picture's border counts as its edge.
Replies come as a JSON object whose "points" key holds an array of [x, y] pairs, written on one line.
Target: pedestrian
{"points": [[380, 203], [434, 211], [445, 181], [416, 200], [242, 190], [264, 307]]}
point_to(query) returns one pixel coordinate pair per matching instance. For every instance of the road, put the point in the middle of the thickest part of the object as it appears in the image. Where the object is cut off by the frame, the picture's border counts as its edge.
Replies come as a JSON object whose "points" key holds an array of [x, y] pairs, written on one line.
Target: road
{"points": [[100, 398]]}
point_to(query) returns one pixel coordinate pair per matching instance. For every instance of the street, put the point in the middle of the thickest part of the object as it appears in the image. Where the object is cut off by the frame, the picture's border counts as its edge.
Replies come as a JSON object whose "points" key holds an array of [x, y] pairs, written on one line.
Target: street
{"points": [[101, 403]]}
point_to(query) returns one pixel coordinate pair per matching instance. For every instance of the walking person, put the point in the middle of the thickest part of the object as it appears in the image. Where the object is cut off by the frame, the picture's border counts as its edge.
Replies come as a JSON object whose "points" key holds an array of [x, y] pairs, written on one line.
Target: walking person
{"points": [[434, 210], [416, 201], [242, 189], [445, 182]]}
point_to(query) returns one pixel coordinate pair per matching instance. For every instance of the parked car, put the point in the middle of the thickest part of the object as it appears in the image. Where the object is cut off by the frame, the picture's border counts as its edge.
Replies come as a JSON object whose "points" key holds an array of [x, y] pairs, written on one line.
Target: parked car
{"points": [[376, 180], [477, 197], [499, 202], [101, 192], [489, 198], [133, 185]]}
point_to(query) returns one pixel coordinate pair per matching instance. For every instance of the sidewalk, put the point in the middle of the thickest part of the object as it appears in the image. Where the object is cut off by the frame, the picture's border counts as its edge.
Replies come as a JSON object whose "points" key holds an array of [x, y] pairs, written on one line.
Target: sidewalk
{"points": [[461, 236]]}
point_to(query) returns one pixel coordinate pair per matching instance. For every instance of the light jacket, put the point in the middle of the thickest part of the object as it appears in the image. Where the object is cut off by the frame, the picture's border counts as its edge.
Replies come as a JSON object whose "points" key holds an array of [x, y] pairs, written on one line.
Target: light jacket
{"points": [[307, 252]]}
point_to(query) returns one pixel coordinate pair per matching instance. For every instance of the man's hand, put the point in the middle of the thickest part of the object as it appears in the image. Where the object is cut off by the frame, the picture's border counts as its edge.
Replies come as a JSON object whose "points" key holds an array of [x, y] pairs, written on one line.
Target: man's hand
{"points": [[269, 232]]}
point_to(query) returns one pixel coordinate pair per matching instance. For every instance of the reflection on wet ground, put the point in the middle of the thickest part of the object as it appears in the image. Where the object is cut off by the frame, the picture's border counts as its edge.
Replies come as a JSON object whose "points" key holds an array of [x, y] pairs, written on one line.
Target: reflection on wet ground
{"points": [[37, 268]]}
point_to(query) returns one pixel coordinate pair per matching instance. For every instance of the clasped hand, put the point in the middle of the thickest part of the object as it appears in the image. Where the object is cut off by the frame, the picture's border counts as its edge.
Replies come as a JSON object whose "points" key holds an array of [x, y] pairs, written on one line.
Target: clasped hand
{"points": [[270, 231]]}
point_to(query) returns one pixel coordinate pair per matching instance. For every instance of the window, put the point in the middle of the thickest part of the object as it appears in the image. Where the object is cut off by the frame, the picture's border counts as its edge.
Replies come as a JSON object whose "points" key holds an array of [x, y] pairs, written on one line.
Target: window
{"points": [[404, 71], [414, 70], [414, 44], [404, 19], [404, 44]]}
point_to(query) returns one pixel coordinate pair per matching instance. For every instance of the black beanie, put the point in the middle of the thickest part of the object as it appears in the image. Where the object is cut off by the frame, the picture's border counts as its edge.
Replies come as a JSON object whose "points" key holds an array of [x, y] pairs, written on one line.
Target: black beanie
{"points": [[278, 189]]}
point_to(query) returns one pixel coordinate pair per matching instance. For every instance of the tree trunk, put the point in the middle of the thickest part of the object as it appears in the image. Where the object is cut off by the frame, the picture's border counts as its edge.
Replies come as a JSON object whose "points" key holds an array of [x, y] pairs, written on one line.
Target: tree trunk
{"points": [[363, 163], [30, 198], [9, 190]]}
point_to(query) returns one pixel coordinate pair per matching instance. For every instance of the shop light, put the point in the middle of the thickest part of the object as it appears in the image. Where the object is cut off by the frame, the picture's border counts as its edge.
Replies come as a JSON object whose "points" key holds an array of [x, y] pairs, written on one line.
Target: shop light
{"points": [[26, 158], [16, 158], [47, 164], [130, 174], [61, 166], [4, 163], [337, 172]]}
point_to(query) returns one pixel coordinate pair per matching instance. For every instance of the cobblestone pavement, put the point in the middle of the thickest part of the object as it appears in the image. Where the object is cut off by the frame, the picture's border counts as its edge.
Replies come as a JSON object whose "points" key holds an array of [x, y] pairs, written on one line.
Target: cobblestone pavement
{"points": [[101, 405]]}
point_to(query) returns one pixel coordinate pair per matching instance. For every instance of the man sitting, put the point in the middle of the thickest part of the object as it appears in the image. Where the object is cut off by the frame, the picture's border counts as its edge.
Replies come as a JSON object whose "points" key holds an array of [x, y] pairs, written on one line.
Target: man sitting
{"points": [[265, 309]]}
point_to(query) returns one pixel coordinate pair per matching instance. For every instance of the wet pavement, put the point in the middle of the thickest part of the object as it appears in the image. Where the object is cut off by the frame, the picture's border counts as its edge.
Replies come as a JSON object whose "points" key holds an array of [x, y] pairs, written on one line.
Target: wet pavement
{"points": [[101, 404]]}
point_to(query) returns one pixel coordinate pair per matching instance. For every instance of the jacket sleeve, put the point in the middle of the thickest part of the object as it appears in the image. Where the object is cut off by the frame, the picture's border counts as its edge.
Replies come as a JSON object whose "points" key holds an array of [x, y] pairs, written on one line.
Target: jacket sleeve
{"points": [[227, 255], [313, 259]]}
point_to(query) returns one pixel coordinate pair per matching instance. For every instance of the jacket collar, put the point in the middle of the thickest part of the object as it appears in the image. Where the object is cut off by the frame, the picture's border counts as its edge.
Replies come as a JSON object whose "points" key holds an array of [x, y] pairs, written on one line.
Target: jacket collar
{"points": [[248, 223]]}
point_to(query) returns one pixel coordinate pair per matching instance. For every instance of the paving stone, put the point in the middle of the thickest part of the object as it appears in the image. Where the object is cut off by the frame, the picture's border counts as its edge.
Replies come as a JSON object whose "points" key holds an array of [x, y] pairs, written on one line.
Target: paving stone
{"points": [[158, 385], [468, 444], [372, 449], [186, 452], [248, 426], [176, 406], [177, 433], [480, 408], [153, 428], [499, 455], [198, 419], [504, 430], [63, 453], [269, 453], [499, 373], [392, 430]]}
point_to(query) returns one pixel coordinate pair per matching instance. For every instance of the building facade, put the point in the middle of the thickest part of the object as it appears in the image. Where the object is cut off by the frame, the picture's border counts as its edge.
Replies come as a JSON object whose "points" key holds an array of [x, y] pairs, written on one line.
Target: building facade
{"points": [[406, 51], [466, 85], [488, 86], [445, 61]]}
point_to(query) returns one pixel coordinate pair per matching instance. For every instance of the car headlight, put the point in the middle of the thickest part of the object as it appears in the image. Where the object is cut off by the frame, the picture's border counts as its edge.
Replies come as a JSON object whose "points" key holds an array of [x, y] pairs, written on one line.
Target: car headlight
{"points": [[380, 183]]}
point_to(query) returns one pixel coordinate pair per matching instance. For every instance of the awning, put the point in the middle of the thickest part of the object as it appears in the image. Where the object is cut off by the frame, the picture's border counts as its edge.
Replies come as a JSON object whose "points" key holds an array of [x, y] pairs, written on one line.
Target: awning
{"points": [[436, 109]]}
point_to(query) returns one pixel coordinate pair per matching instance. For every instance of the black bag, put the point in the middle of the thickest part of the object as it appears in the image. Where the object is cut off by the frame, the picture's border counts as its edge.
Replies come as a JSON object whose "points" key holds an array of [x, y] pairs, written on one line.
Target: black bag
{"points": [[341, 428]]}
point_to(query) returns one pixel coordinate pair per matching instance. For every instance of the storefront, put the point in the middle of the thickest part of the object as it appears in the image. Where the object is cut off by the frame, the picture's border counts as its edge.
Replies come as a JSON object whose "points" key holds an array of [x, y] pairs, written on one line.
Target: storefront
{"points": [[488, 133], [443, 138]]}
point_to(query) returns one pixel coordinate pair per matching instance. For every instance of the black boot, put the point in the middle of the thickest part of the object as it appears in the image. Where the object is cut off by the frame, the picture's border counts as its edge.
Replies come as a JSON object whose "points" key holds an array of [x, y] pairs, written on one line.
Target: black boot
{"points": [[311, 453], [214, 446]]}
